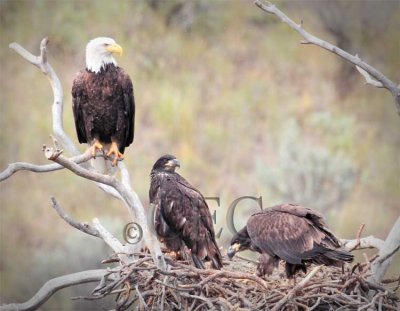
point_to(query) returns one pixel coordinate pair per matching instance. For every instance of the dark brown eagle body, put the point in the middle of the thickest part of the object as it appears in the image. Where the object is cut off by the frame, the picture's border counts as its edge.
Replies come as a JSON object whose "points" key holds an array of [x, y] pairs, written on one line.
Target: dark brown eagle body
{"points": [[292, 233], [181, 215], [104, 107]]}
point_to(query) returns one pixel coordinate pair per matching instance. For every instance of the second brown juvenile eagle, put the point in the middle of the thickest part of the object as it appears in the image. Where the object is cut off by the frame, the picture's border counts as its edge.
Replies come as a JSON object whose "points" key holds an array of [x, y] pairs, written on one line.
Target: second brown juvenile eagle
{"points": [[292, 233], [182, 217]]}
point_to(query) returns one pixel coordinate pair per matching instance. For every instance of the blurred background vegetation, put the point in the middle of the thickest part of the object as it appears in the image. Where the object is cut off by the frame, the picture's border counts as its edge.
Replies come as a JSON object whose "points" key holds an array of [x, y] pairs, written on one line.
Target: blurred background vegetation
{"points": [[223, 86]]}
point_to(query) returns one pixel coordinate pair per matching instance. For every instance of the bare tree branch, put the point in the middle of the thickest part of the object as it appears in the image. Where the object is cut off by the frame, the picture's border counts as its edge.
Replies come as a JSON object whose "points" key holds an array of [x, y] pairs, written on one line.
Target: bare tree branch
{"points": [[53, 285], [57, 108], [113, 242], [368, 79], [12, 168], [382, 80], [97, 230], [128, 196], [84, 227], [363, 243], [20, 166], [386, 254], [387, 250]]}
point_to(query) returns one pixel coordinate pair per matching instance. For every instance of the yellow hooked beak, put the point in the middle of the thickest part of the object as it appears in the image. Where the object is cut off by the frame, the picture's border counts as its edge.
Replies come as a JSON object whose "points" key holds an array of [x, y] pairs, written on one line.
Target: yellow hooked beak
{"points": [[115, 48]]}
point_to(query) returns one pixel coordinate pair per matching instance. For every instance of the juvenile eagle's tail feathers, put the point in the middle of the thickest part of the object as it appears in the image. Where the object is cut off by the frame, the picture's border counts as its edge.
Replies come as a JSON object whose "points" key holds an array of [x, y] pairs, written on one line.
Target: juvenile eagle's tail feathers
{"points": [[339, 255], [333, 257], [214, 254], [206, 249]]}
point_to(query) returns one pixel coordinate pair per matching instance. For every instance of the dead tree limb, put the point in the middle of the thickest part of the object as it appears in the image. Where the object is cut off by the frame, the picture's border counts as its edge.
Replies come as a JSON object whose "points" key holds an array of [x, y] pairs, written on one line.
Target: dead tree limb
{"points": [[387, 249], [386, 254], [57, 108], [84, 227], [97, 230], [53, 285], [363, 243], [372, 76], [24, 166], [127, 196]]}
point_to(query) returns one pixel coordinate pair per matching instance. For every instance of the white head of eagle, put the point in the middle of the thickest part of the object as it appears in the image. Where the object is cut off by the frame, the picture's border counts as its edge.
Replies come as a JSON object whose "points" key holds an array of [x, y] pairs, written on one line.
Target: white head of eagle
{"points": [[99, 53]]}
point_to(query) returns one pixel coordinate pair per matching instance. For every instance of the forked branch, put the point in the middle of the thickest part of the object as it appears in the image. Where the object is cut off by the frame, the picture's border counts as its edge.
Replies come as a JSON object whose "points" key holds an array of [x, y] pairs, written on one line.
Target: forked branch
{"points": [[387, 249], [372, 75], [127, 196], [54, 285], [57, 108], [24, 166]]}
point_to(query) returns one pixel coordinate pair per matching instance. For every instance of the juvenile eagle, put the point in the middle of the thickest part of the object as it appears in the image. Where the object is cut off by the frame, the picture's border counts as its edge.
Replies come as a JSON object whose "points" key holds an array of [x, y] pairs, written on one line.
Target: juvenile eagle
{"points": [[293, 233], [182, 217], [103, 103]]}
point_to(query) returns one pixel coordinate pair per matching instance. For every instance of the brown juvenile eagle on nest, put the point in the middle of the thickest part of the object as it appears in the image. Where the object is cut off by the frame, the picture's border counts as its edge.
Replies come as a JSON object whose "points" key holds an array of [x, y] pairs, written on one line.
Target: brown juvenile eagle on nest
{"points": [[293, 233], [182, 217], [103, 103]]}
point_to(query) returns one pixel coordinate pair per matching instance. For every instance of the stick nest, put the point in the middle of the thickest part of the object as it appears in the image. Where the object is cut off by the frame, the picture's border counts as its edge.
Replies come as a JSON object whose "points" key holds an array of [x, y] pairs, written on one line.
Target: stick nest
{"points": [[142, 286]]}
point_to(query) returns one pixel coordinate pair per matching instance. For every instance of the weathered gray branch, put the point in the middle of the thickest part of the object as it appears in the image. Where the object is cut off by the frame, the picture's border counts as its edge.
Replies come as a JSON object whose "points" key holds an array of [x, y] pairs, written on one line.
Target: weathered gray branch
{"points": [[363, 243], [57, 108], [24, 166], [97, 230], [387, 250], [84, 227], [386, 254], [382, 80], [53, 285], [12, 168]]}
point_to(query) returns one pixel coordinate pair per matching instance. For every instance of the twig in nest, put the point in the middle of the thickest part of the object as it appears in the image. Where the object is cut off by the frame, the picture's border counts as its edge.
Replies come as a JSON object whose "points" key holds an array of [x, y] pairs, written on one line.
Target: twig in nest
{"points": [[358, 237]]}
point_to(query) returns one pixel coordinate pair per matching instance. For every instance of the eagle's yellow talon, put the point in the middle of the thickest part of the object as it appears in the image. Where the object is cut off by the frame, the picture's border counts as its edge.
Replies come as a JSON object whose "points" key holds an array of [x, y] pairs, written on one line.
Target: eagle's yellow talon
{"points": [[96, 146], [115, 151]]}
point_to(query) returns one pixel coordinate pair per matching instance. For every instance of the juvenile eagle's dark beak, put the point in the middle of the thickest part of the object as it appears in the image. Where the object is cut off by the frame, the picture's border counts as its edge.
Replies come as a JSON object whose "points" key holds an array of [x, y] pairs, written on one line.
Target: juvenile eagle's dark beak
{"points": [[174, 163], [233, 249]]}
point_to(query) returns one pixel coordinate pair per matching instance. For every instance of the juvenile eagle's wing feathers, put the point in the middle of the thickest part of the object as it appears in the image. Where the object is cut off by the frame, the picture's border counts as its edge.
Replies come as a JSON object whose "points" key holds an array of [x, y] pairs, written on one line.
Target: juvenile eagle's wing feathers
{"points": [[279, 236], [198, 202], [290, 232], [186, 213], [313, 218], [185, 210]]}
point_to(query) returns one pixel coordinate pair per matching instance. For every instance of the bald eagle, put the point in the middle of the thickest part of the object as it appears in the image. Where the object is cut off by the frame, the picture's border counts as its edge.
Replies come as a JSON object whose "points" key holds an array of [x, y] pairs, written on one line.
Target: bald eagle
{"points": [[292, 233], [103, 102], [182, 217]]}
